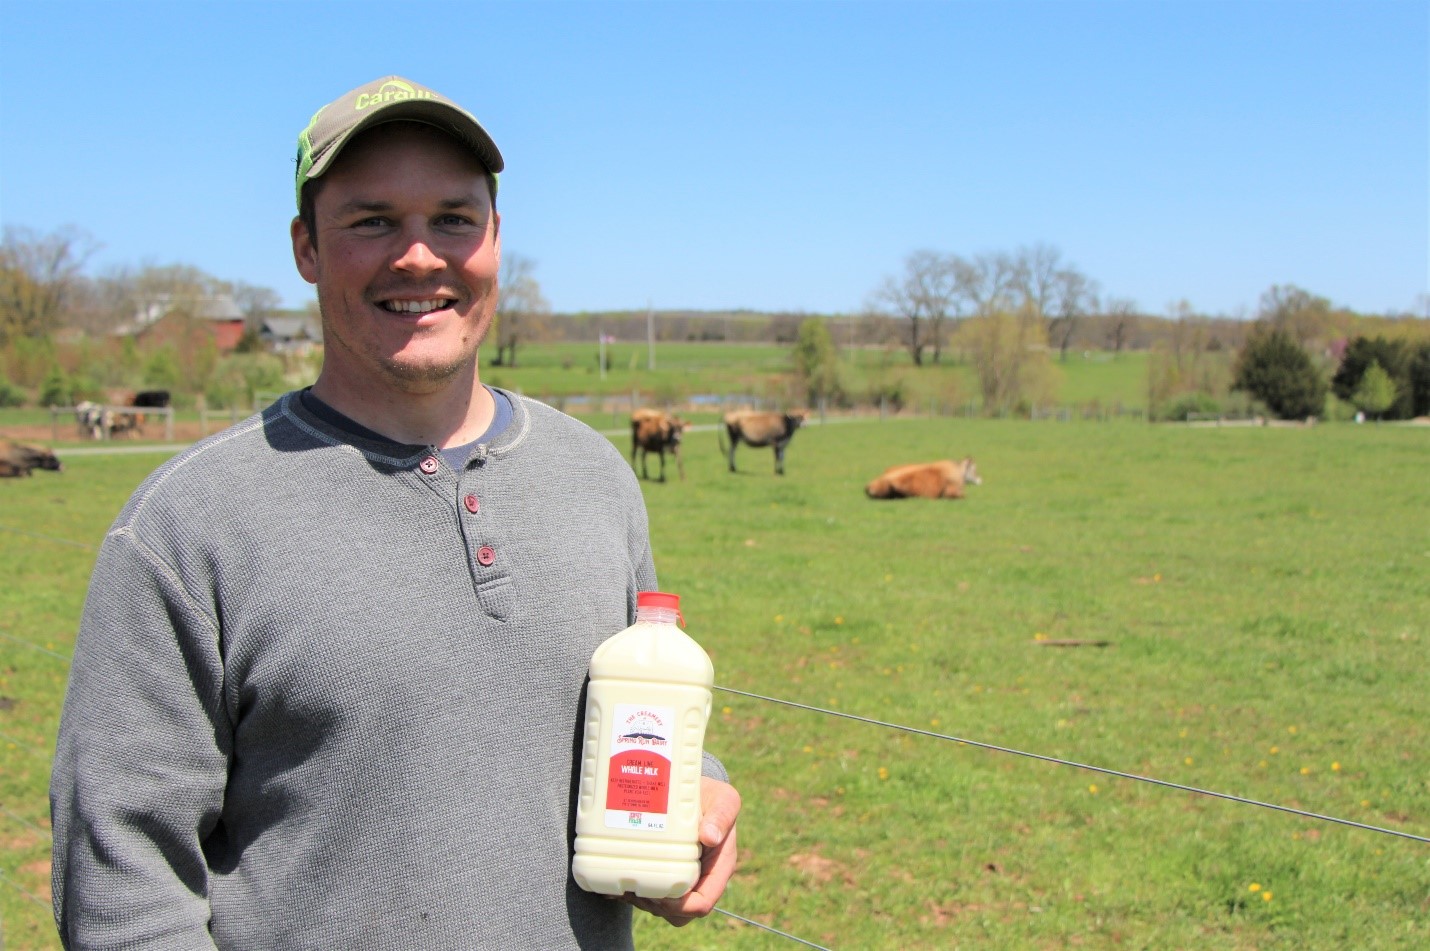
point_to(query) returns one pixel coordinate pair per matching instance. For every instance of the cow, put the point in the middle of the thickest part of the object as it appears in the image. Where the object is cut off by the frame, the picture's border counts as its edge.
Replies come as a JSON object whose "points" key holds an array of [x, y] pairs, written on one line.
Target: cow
{"points": [[156, 399], [944, 479], [18, 459], [93, 420], [653, 430], [760, 429]]}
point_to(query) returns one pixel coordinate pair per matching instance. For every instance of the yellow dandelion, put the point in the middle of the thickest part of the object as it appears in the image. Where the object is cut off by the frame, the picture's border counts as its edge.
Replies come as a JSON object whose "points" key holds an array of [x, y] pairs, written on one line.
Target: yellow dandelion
{"points": [[1305, 770], [1274, 750], [1335, 767], [1265, 896], [779, 618], [934, 722], [1157, 577], [1183, 734], [888, 577], [883, 772], [1040, 636], [1092, 788], [1187, 760], [727, 710], [808, 748], [1291, 730], [838, 619], [1262, 764], [1254, 887]]}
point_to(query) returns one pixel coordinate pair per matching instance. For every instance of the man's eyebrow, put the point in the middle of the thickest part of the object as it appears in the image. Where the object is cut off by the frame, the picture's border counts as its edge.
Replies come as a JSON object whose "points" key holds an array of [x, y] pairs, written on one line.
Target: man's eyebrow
{"points": [[375, 206]]}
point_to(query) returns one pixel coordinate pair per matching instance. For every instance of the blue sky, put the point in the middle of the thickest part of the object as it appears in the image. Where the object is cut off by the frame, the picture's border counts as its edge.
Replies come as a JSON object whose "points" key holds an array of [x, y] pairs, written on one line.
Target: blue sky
{"points": [[775, 156]]}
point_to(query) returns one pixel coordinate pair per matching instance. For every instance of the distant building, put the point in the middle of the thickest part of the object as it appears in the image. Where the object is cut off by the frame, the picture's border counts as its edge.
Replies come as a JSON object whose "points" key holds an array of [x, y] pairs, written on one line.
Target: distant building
{"points": [[161, 315], [291, 333]]}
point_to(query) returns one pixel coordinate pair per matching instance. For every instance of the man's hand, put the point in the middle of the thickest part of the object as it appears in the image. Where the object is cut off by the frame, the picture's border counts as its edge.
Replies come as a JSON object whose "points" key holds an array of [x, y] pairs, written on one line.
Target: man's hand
{"points": [[719, 807]]}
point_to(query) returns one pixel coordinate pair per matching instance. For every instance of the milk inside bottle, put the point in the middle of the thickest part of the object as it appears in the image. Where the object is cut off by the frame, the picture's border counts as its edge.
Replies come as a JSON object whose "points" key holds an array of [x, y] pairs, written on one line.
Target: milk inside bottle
{"points": [[638, 805]]}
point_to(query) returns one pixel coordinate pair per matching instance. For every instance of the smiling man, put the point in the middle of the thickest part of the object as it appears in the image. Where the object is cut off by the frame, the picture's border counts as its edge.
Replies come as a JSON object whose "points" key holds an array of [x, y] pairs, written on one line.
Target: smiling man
{"points": [[327, 690]]}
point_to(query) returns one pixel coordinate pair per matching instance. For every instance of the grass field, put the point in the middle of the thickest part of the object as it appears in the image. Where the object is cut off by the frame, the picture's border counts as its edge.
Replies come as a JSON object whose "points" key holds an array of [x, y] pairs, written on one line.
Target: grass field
{"points": [[1264, 597]]}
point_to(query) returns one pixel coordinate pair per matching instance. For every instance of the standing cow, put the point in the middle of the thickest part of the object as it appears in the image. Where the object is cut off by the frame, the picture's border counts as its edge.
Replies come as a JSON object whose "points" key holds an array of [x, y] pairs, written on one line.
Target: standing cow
{"points": [[653, 430], [944, 479], [760, 429]]}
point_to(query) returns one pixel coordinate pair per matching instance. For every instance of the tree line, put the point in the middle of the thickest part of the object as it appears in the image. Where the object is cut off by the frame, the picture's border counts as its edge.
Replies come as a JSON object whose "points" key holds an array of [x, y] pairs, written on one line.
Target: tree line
{"points": [[1006, 315]]}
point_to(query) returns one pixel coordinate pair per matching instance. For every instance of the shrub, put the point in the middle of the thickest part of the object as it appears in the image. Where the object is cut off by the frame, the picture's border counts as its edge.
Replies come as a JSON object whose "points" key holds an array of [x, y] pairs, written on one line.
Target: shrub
{"points": [[1275, 369], [10, 394], [1187, 405], [56, 389], [1394, 358], [1376, 391]]}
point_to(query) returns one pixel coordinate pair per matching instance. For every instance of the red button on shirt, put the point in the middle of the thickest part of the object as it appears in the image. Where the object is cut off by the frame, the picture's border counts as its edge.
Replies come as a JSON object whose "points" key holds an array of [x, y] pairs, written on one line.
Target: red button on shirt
{"points": [[486, 555], [428, 465], [472, 504]]}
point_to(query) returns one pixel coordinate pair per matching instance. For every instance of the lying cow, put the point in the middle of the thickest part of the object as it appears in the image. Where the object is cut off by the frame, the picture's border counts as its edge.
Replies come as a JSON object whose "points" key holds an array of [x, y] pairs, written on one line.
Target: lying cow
{"points": [[655, 431], [760, 429], [18, 459], [944, 479]]}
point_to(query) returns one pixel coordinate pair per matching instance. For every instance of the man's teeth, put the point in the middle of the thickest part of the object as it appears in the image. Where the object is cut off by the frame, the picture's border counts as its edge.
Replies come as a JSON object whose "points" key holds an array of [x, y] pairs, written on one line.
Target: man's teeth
{"points": [[414, 306]]}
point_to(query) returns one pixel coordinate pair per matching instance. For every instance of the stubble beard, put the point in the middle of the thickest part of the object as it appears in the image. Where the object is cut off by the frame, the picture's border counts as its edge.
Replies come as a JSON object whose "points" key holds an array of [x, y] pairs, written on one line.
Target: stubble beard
{"points": [[423, 376]]}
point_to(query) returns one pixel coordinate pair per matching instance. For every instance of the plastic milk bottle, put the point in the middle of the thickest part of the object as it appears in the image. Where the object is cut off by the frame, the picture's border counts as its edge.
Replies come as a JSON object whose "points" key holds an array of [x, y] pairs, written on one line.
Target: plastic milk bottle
{"points": [[638, 807]]}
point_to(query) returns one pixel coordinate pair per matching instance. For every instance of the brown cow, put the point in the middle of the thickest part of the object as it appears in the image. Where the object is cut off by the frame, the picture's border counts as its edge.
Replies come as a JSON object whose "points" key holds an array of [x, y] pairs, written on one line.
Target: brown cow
{"points": [[760, 429], [17, 459], [653, 430], [944, 479]]}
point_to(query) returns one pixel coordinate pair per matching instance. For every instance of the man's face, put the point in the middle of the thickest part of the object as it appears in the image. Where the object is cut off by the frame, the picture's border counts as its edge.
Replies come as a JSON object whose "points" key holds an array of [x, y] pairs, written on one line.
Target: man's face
{"points": [[405, 260]]}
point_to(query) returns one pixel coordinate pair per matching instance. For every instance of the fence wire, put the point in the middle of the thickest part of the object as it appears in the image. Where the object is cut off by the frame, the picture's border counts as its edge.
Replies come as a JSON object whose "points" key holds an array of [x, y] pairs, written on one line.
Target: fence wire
{"points": [[795, 705], [1064, 762]]}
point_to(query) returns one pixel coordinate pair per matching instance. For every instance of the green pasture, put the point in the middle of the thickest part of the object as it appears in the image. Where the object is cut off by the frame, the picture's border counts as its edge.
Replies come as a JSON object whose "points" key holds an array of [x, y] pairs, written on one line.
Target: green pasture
{"points": [[1263, 597]]}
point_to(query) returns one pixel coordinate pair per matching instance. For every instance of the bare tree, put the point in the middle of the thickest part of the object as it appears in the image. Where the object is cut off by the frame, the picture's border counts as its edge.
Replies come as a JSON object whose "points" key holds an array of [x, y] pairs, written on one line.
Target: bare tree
{"points": [[1036, 275], [925, 296], [256, 302], [1305, 316], [1121, 314], [1075, 296], [39, 275], [522, 310], [986, 282]]}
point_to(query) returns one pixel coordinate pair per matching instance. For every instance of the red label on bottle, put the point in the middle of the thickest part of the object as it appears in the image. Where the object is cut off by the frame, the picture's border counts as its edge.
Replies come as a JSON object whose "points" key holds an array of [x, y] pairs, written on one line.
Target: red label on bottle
{"points": [[639, 782]]}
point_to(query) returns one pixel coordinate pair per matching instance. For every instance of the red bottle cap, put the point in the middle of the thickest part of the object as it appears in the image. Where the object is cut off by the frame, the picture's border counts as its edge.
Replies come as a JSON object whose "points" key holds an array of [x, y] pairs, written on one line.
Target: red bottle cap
{"points": [[658, 599]]}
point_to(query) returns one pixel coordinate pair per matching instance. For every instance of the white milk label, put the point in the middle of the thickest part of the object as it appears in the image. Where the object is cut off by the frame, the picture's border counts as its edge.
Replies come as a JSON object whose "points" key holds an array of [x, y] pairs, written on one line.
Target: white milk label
{"points": [[638, 790]]}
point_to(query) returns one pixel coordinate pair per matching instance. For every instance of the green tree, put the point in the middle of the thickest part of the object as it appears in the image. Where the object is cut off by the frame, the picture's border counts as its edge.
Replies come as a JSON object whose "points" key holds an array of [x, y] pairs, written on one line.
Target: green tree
{"points": [[1274, 369], [1376, 391], [56, 390], [1419, 376], [1393, 356], [816, 361]]}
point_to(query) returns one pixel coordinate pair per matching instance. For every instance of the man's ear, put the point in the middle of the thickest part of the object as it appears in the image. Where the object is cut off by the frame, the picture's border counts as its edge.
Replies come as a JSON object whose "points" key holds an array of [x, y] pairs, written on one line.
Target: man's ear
{"points": [[496, 236], [305, 253]]}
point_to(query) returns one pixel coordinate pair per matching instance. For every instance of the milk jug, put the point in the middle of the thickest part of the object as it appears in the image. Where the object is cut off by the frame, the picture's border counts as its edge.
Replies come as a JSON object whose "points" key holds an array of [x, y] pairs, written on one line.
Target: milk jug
{"points": [[638, 806]]}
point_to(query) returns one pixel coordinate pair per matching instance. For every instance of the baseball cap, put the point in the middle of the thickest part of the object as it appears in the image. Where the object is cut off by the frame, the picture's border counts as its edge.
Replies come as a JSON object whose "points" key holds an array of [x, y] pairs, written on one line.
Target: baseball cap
{"points": [[386, 100]]}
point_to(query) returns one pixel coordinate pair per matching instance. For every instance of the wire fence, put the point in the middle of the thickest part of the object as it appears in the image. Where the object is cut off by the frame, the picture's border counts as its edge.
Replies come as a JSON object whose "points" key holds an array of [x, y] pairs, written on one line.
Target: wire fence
{"points": [[36, 749]]}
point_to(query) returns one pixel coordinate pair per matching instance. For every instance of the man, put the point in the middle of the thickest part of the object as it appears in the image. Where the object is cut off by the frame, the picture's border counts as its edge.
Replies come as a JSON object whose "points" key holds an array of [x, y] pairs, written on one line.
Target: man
{"points": [[327, 688]]}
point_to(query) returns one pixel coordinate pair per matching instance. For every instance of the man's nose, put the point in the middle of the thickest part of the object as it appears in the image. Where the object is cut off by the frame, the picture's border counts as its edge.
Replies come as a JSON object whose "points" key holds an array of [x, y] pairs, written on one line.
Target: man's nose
{"points": [[417, 256]]}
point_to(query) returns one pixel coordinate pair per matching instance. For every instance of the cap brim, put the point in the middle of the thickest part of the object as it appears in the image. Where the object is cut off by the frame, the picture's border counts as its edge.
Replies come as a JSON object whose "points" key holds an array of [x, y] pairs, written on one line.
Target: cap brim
{"points": [[448, 118]]}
